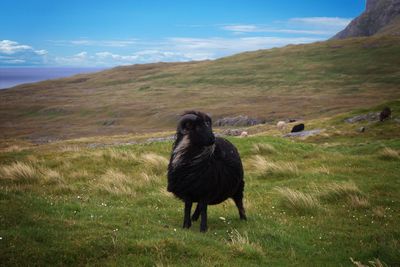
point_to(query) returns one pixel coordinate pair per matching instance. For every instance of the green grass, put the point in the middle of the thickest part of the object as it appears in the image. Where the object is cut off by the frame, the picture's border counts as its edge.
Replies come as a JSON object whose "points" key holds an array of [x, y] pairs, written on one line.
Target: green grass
{"points": [[109, 206]]}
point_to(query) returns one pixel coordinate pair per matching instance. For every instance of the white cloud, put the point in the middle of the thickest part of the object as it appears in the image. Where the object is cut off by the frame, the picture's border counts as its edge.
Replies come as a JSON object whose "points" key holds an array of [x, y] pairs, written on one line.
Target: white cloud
{"points": [[180, 49], [226, 46], [9, 47], [12, 53], [323, 21], [41, 52], [90, 42], [79, 59], [240, 29], [306, 25], [15, 61]]}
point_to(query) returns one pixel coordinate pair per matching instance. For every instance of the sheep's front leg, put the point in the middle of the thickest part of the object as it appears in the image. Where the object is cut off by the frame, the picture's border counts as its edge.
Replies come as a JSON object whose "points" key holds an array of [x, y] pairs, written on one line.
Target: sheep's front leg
{"points": [[186, 218], [203, 213]]}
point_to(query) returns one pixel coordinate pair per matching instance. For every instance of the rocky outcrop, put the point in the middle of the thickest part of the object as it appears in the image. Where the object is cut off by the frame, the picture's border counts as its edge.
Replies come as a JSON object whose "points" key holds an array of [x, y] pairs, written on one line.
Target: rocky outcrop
{"points": [[304, 133], [238, 121], [371, 116], [380, 17]]}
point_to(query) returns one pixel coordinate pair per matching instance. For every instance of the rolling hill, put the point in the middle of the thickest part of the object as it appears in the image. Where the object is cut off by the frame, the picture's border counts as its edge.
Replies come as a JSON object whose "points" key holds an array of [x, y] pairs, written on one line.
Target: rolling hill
{"points": [[301, 81]]}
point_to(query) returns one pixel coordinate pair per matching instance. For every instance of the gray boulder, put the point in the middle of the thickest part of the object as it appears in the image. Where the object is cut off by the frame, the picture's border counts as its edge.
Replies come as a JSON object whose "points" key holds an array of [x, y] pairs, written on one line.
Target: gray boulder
{"points": [[371, 116]]}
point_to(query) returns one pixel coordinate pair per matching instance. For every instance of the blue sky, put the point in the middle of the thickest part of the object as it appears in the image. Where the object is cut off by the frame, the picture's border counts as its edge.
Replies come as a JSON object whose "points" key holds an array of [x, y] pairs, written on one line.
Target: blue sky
{"points": [[109, 33]]}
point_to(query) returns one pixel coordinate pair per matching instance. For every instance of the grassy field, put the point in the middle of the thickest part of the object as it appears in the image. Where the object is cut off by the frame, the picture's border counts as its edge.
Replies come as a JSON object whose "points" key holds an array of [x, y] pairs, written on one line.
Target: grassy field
{"points": [[300, 81], [311, 202]]}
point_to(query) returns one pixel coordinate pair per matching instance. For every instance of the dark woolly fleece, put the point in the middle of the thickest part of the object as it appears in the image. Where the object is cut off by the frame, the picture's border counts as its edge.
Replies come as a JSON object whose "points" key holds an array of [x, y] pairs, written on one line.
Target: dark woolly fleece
{"points": [[206, 174]]}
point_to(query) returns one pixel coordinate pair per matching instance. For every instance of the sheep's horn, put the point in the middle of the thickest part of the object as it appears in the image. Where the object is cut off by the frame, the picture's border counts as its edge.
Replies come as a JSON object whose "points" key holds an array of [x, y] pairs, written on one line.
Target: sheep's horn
{"points": [[189, 117]]}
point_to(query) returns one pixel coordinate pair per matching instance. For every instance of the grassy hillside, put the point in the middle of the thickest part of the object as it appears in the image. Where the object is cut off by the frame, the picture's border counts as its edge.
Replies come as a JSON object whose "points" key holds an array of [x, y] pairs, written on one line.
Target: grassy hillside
{"points": [[313, 202], [302, 81]]}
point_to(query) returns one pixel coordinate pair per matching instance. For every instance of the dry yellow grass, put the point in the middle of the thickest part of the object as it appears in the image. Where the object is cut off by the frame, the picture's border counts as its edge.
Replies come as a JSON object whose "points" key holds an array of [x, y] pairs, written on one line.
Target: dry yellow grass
{"points": [[118, 183], [163, 191], [115, 182], [70, 148], [389, 154], [79, 174], [116, 154], [13, 148], [357, 202], [20, 172], [240, 242], [260, 165], [261, 148], [322, 170], [50, 176], [148, 178], [374, 263], [157, 163], [297, 201], [379, 212]]}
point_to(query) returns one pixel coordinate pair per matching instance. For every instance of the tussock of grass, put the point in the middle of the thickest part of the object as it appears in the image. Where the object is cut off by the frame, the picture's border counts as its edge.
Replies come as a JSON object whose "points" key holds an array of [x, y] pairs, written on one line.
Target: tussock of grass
{"points": [[299, 202], [118, 183], [241, 243], [115, 182], [148, 178], [357, 201], [13, 148], [389, 154], [163, 191], [374, 263], [379, 212], [115, 154], [20, 172], [70, 148], [79, 174], [52, 177], [260, 165], [157, 163], [261, 148], [337, 191], [323, 170]]}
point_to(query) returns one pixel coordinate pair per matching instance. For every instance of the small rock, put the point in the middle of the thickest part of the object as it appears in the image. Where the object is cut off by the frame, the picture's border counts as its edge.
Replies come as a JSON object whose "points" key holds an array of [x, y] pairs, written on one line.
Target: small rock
{"points": [[232, 132], [109, 122], [304, 133], [361, 129]]}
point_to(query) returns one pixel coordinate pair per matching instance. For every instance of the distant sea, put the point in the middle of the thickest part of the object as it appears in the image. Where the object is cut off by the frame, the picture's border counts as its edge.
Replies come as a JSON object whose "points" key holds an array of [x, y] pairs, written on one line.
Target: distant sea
{"points": [[10, 77]]}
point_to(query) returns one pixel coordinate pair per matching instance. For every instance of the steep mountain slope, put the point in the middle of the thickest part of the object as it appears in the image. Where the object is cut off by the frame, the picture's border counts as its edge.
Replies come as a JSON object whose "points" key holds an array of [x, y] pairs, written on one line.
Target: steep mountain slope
{"points": [[302, 81], [380, 17]]}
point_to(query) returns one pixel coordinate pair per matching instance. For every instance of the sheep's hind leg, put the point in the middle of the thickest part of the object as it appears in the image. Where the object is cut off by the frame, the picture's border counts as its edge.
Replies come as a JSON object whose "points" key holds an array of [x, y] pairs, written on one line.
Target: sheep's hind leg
{"points": [[239, 204], [196, 213], [186, 219], [203, 221]]}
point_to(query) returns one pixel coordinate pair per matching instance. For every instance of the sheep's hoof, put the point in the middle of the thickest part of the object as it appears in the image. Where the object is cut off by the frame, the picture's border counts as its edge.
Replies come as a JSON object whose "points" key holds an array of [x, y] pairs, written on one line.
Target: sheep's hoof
{"points": [[187, 225], [203, 229], [243, 217]]}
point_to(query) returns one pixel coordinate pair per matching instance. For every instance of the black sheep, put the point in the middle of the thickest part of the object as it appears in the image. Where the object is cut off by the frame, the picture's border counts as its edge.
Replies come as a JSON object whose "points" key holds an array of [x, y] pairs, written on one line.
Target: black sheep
{"points": [[385, 114], [204, 169], [298, 128]]}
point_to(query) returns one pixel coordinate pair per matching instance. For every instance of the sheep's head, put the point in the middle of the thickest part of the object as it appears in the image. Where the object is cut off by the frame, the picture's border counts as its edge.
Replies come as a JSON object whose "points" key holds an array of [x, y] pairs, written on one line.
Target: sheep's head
{"points": [[197, 128]]}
